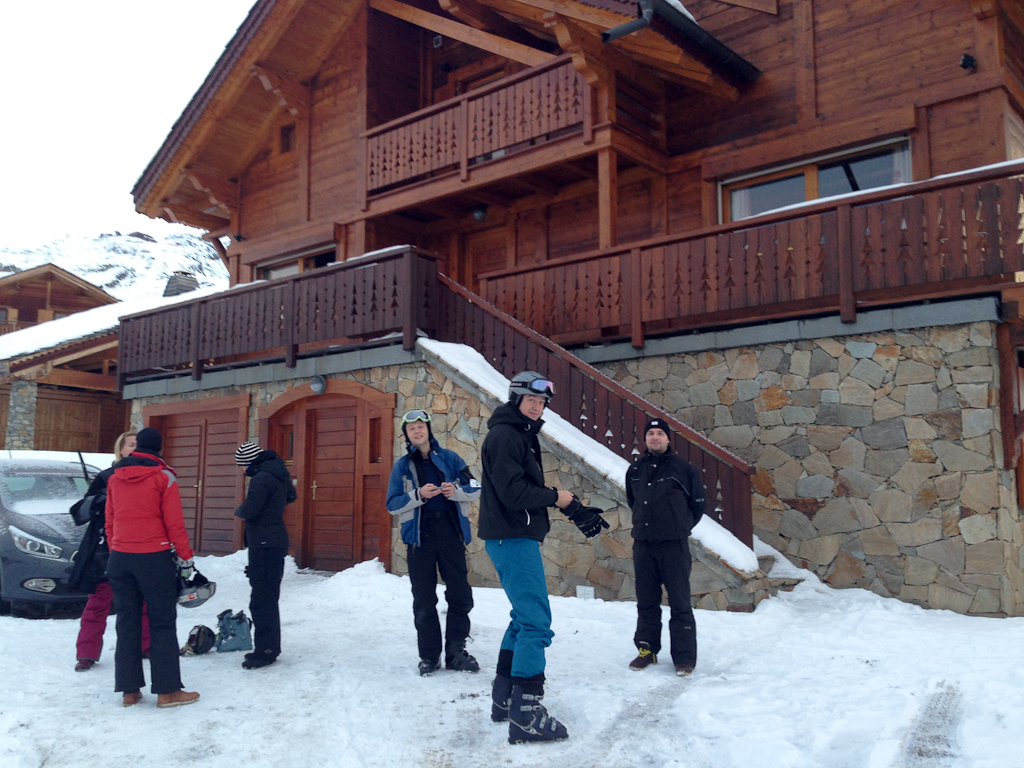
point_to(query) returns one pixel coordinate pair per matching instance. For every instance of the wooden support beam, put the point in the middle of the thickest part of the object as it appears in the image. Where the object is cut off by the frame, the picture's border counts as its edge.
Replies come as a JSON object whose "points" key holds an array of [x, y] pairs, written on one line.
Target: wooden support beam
{"points": [[806, 67], [768, 6], [481, 17], [291, 95], [220, 192], [607, 198], [65, 377], [463, 32]]}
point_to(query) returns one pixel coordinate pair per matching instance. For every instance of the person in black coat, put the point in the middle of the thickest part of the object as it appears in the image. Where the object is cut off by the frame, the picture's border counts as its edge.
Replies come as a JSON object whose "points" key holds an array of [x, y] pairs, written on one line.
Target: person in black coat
{"points": [[666, 494], [270, 489]]}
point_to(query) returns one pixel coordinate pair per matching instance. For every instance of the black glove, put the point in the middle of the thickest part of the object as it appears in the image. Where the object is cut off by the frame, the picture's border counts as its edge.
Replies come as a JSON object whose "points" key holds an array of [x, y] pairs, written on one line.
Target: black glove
{"points": [[587, 519]]}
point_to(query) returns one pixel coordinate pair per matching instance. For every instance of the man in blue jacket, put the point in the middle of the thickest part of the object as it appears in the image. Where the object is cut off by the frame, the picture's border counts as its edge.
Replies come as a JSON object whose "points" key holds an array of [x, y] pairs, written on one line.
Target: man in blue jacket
{"points": [[430, 490]]}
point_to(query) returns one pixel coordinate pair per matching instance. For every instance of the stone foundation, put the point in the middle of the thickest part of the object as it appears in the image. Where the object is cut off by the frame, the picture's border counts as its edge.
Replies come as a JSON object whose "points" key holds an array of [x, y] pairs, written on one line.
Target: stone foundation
{"points": [[878, 456], [460, 412], [21, 416]]}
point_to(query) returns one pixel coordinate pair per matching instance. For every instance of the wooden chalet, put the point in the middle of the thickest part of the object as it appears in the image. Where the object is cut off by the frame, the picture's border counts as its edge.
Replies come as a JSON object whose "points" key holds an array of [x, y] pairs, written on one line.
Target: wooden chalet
{"points": [[605, 172], [70, 400]]}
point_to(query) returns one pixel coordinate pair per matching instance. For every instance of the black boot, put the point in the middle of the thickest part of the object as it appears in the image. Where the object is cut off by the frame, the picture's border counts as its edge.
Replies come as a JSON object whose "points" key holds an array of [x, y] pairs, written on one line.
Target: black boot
{"points": [[528, 720], [458, 659], [501, 692]]}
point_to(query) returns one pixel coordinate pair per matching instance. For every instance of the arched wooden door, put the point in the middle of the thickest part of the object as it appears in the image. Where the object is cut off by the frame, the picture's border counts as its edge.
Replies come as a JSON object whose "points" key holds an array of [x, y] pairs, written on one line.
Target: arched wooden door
{"points": [[338, 448]]}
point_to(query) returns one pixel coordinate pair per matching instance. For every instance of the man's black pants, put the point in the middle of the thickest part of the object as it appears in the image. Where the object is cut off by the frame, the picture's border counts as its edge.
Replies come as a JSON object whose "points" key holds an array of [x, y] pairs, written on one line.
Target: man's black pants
{"points": [[441, 549], [665, 562], [266, 569], [150, 578]]}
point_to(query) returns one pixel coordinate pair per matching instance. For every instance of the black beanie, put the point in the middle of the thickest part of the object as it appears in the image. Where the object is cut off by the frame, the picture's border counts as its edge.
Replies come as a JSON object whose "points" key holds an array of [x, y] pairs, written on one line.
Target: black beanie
{"points": [[149, 441], [657, 424]]}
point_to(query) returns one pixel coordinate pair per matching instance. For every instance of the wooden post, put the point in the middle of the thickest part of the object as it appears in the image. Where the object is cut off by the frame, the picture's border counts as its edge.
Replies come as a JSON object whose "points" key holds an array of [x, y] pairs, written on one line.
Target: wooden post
{"points": [[303, 140], [588, 114], [464, 140], [358, 232], [290, 347], [847, 302], [636, 295], [1009, 397], [197, 340], [409, 302], [362, 166], [607, 198]]}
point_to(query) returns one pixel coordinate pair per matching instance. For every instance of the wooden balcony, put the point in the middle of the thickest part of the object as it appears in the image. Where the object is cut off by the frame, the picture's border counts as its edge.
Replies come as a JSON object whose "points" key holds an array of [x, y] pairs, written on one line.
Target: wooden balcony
{"points": [[448, 139], [930, 240], [358, 302], [11, 327]]}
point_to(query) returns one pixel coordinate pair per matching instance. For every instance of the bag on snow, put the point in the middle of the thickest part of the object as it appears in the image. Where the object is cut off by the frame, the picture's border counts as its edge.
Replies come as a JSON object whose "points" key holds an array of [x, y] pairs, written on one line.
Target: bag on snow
{"points": [[234, 632], [200, 640]]}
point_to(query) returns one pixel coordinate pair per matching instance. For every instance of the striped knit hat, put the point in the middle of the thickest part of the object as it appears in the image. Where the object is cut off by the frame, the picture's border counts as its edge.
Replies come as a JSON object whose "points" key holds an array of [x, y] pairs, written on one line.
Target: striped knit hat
{"points": [[247, 453]]}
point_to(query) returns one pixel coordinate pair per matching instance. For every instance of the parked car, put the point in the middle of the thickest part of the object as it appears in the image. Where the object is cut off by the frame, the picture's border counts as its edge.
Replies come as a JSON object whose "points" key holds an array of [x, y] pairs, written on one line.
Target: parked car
{"points": [[38, 538]]}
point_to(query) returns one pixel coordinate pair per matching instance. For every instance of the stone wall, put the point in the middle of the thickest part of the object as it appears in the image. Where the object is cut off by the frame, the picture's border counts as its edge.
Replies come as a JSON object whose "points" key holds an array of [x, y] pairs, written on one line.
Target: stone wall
{"points": [[21, 416], [460, 412], [878, 456]]}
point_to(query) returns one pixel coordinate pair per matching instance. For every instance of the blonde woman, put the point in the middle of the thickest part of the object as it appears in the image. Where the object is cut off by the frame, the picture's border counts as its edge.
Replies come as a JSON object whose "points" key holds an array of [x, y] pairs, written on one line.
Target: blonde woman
{"points": [[89, 573]]}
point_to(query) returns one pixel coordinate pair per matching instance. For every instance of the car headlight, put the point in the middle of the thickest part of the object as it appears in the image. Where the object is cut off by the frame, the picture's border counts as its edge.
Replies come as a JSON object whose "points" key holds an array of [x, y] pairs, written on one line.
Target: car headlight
{"points": [[31, 545]]}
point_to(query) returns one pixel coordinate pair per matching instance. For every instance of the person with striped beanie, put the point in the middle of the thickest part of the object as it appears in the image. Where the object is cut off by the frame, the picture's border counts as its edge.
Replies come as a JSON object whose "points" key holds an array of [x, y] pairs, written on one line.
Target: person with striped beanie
{"points": [[266, 537]]}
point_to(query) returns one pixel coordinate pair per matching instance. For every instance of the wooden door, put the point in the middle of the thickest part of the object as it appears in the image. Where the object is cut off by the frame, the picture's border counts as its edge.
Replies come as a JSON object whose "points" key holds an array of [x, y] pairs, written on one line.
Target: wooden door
{"points": [[342, 461], [200, 446]]}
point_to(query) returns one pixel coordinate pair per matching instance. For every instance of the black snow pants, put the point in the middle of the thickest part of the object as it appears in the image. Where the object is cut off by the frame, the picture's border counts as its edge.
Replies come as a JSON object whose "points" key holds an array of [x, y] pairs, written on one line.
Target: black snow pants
{"points": [[266, 569], [150, 578], [441, 549], [665, 562]]}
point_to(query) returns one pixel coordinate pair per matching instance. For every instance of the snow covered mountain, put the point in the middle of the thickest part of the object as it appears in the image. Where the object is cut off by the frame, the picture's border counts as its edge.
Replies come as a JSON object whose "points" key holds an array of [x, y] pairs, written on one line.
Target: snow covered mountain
{"points": [[131, 266]]}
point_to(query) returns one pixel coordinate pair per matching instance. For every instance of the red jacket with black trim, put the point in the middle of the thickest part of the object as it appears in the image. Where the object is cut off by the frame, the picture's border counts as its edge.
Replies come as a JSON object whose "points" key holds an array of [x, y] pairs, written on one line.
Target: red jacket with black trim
{"points": [[144, 507]]}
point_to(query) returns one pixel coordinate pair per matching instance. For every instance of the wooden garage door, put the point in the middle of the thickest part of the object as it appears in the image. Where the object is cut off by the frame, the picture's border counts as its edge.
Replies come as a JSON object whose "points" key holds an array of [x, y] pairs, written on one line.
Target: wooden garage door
{"points": [[201, 448]]}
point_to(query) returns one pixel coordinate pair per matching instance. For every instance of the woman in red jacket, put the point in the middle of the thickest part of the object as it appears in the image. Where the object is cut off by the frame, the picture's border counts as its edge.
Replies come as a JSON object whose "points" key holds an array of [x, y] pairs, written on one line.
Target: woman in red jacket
{"points": [[144, 521]]}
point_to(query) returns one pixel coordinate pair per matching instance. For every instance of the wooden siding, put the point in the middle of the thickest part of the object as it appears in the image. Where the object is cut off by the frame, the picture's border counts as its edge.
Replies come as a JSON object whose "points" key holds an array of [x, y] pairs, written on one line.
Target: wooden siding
{"points": [[67, 420]]}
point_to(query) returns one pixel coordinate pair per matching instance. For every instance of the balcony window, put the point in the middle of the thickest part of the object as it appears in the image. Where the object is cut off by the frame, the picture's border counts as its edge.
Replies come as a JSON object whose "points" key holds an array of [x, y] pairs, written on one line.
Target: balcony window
{"points": [[295, 266], [871, 168]]}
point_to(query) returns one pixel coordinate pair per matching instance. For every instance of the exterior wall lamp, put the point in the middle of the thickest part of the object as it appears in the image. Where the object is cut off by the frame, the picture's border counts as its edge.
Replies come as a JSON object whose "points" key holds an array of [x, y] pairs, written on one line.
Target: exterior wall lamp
{"points": [[318, 384]]}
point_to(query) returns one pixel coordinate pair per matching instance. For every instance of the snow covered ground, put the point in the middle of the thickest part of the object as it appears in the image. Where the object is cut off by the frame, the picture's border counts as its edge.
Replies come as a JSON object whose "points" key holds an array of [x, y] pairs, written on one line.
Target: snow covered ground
{"points": [[817, 677]]}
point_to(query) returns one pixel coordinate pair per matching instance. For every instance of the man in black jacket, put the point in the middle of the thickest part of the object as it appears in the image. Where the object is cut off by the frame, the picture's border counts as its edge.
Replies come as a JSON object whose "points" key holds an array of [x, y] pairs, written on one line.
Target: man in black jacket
{"points": [[513, 523], [270, 489], [666, 495]]}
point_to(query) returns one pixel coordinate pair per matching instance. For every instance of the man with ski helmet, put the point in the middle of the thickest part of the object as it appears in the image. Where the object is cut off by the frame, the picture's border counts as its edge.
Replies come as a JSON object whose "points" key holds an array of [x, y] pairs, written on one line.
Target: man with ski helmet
{"points": [[430, 491], [513, 523]]}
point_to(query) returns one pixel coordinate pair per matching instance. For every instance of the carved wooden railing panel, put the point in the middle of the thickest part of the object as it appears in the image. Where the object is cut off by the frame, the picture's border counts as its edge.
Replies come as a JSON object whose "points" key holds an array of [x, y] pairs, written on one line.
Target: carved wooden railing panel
{"points": [[348, 303], [592, 402], [537, 103], [939, 238]]}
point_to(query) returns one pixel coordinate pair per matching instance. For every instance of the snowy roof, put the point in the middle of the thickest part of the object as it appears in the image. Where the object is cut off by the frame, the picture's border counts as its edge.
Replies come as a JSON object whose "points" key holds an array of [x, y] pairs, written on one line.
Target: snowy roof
{"points": [[83, 325]]}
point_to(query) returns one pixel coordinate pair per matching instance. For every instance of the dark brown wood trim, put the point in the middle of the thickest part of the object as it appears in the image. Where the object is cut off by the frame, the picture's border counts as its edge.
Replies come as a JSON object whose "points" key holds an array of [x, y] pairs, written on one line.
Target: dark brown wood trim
{"points": [[223, 403]]}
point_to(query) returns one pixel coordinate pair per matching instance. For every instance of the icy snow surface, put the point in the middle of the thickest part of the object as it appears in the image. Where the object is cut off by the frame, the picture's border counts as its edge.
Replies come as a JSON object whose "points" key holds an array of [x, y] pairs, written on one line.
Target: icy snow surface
{"points": [[815, 678], [472, 364]]}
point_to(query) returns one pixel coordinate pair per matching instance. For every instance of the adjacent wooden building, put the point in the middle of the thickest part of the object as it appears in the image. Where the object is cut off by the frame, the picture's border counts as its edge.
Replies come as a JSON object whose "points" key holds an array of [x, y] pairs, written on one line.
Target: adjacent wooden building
{"points": [[604, 171]]}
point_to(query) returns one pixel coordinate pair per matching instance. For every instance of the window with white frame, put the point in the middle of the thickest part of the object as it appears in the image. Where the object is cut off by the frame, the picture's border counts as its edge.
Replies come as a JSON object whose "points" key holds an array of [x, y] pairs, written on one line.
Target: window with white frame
{"points": [[868, 168]]}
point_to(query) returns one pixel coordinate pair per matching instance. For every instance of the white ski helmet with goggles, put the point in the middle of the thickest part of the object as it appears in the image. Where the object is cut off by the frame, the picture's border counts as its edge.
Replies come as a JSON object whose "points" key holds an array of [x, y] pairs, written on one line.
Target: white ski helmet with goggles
{"points": [[530, 383]]}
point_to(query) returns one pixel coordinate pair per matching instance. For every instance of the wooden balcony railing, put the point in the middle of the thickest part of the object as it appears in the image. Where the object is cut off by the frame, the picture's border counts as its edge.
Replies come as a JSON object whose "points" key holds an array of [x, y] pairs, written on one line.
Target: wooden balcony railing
{"points": [[944, 237], [595, 404], [11, 327], [546, 101], [345, 303]]}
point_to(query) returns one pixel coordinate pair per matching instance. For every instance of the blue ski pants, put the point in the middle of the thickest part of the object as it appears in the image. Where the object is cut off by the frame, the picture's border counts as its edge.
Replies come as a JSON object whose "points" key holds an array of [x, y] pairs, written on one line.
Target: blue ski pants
{"points": [[521, 571]]}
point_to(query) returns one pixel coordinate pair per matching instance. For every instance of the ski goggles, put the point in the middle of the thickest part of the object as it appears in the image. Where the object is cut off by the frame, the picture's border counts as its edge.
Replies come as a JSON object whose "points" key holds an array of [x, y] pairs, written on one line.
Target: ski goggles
{"points": [[542, 387], [412, 416]]}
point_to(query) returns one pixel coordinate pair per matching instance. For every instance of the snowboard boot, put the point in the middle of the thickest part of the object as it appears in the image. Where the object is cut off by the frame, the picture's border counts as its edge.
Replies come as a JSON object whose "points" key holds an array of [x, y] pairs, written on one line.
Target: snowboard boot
{"points": [[429, 665], [460, 661], [529, 721], [684, 670], [501, 692]]}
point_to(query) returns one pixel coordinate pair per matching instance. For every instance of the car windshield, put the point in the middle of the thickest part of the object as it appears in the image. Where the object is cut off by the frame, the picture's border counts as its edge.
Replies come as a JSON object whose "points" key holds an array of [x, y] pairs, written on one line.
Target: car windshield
{"points": [[41, 493]]}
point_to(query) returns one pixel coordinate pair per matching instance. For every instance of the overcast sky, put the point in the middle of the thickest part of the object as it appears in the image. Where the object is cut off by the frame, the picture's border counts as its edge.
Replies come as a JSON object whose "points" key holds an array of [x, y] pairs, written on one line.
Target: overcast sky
{"points": [[90, 92]]}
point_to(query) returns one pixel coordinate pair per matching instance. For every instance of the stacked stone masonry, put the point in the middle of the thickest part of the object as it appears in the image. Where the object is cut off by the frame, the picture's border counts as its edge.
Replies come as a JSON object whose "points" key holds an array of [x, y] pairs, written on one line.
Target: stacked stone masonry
{"points": [[878, 457], [460, 412]]}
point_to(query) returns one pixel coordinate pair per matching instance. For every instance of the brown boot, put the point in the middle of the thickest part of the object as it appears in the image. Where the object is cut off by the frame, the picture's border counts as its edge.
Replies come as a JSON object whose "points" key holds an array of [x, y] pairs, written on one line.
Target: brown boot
{"points": [[84, 665], [684, 670], [131, 698], [644, 659], [176, 699]]}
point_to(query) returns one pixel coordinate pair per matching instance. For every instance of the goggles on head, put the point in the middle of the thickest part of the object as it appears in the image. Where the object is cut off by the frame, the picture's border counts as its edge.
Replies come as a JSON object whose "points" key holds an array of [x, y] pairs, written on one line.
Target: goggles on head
{"points": [[413, 416], [542, 387]]}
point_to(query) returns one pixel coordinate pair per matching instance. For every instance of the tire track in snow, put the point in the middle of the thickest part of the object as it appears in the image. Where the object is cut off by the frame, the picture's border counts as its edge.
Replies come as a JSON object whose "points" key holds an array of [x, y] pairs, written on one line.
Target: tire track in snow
{"points": [[931, 741]]}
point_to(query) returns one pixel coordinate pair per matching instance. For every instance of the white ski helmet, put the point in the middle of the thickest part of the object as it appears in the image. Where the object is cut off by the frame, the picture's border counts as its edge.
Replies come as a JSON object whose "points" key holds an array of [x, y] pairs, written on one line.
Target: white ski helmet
{"points": [[530, 383], [195, 591]]}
